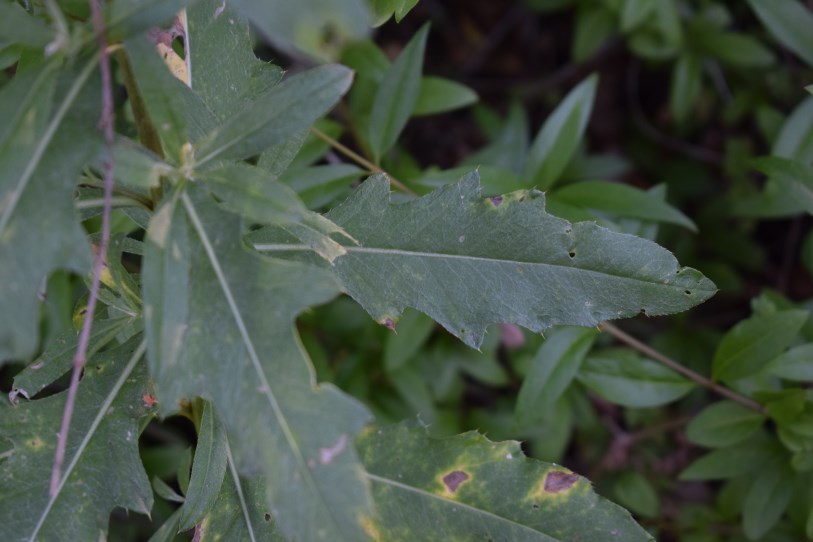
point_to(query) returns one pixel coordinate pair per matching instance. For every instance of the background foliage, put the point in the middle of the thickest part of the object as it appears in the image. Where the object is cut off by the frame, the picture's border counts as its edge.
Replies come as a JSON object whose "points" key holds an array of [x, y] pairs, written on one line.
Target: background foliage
{"points": [[257, 249]]}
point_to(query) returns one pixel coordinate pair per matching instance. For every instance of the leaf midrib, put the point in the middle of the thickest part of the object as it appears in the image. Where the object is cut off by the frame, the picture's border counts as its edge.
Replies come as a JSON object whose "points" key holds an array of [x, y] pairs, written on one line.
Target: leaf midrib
{"points": [[282, 247], [444, 500]]}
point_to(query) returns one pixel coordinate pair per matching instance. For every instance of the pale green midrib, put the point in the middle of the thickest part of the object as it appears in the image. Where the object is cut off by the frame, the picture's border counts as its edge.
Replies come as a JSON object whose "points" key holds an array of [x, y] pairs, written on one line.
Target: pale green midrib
{"points": [[255, 360], [444, 500], [239, 488], [40, 149], [282, 247], [142, 346]]}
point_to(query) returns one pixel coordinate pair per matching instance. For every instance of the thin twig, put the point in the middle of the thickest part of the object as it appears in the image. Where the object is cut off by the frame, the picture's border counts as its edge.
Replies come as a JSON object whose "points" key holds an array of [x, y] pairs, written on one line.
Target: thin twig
{"points": [[106, 122], [685, 371], [360, 160]]}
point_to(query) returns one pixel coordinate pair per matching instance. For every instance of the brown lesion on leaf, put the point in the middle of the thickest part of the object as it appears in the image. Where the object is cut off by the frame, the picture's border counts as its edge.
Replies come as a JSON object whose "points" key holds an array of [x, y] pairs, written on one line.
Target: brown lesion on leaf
{"points": [[558, 481], [495, 201], [454, 480], [35, 443]]}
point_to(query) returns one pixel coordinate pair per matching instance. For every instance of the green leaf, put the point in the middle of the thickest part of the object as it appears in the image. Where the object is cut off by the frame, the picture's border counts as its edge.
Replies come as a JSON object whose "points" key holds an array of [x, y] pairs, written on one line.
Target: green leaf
{"points": [[240, 513], [240, 308], [438, 95], [509, 148], [321, 185], [752, 343], [735, 49], [208, 469], [397, 96], [125, 18], [413, 330], [384, 9], [17, 26], [552, 370], [165, 282], [103, 440], [178, 114], [795, 139], [43, 145], [467, 488], [724, 423], [163, 490], [319, 27], [686, 85], [795, 364], [635, 492], [58, 357], [622, 377], [635, 12], [622, 200], [138, 167], [744, 458], [469, 262], [593, 27], [284, 110], [560, 136], [767, 498], [789, 22], [795, 177], [225, 72]]}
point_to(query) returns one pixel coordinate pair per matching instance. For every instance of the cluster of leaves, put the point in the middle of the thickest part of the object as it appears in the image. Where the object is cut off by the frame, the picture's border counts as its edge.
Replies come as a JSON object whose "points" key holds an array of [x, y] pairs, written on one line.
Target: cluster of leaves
{"points": [[237, 226]]}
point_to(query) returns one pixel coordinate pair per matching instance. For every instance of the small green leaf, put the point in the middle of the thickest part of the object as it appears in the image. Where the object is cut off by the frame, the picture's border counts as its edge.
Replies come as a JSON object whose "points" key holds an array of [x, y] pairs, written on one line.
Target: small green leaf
{"points": [[321, 185], [752, 343], [744, 458], [466, 486], [789, 22], [469, 262], [634, 491], [438, 95], [622, 200], [413, 329], [724, 423], [732, 48], [137, 167], [635, 12], [208, 469], [795, 364], [384, 9], [622, 377], [594, 26], [767, 498], [397, 96], [286, 109], [686, 86], [795, 139], [552, 370], [163, 490], [794, 176], [560, 136]]}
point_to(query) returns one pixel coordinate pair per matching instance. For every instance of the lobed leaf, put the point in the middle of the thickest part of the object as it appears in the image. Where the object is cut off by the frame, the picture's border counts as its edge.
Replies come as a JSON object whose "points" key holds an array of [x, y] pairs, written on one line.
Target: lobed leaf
{"points": [[49, 133], [467, 488], [469, 262], [109, 412], [237, 347]]}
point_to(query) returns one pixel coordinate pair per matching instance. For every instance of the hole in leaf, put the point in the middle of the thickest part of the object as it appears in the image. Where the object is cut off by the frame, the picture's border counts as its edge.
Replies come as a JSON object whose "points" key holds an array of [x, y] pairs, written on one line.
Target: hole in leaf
{"points": [[687, 292], [267, 517], [572, 253]]}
